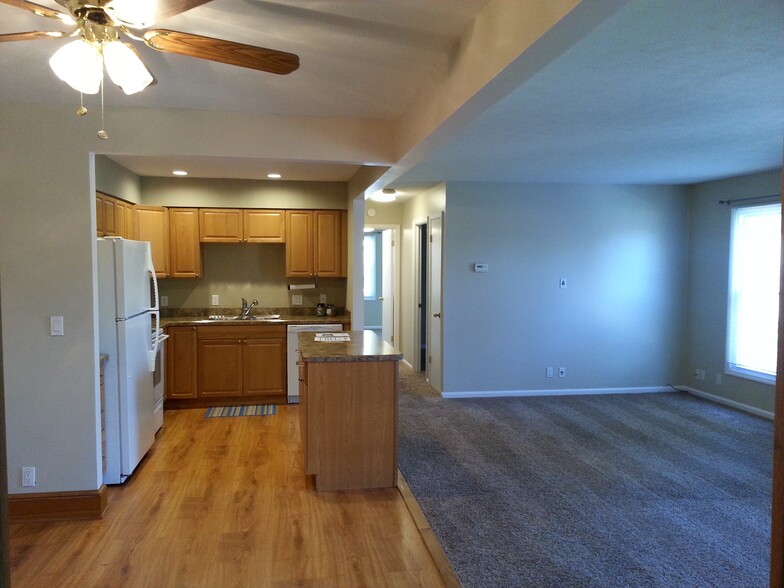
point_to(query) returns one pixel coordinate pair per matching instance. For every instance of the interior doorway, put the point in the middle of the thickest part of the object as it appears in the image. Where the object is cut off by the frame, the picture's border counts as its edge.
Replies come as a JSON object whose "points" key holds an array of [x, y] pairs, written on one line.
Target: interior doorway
{"points": [[420, 321], [381, 277]]}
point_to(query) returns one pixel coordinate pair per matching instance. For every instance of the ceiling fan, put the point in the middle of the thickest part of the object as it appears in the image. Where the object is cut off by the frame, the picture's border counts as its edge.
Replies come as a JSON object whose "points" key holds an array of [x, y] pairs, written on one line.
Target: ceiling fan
{"points": [[98, 27]]}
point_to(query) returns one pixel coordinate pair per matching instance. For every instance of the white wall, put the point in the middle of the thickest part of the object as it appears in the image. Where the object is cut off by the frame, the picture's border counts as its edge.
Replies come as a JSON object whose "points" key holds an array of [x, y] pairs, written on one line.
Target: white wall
{"points": [[47, 255], [706, 327], [618, 324]]}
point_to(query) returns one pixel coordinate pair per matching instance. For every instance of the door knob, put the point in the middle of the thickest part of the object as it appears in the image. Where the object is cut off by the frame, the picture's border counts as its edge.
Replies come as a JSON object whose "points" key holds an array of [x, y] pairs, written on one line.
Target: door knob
{"points": [[381, 298], [436, 315]]}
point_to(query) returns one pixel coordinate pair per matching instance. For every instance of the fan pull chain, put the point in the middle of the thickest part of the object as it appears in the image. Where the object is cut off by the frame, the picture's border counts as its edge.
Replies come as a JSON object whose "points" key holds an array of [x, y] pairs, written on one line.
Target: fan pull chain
{"points": [[81, 111], [102, 134]]}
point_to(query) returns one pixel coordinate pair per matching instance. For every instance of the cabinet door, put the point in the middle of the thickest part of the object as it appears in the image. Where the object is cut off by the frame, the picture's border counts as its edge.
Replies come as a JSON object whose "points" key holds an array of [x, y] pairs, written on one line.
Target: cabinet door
{"points": [[264, 363], [328, 256], [99, 215], [220, 367], [152, 224], [184, 248], [181, 364], [299, 243], [120, 218], [264, 226], [130, 221], [109, 224], [220, 225]]}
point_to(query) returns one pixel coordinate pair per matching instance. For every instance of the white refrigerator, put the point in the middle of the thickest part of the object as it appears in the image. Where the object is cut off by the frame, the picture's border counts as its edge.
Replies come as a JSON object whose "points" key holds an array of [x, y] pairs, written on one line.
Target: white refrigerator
{"points": [[129, 334]]}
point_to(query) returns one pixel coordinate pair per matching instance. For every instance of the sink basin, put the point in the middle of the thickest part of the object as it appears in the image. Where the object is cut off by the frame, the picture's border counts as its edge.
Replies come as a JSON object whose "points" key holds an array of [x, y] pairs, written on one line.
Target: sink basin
{"points": [[260, 317]]}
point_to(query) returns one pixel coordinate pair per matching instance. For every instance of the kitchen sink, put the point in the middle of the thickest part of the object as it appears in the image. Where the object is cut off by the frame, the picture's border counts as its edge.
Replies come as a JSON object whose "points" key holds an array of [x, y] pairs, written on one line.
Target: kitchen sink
{"points": [[258, 317]]}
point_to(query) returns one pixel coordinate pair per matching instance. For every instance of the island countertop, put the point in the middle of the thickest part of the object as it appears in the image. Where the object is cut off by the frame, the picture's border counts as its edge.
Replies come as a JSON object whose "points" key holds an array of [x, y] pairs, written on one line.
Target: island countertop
{"points": [[363, 346]]}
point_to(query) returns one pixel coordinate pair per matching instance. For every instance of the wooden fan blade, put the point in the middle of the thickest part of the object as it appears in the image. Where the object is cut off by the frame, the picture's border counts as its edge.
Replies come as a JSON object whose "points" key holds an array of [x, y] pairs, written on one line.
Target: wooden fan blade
{"points": [[32, 35], [39, 10], [259, 58], [136, 15]]}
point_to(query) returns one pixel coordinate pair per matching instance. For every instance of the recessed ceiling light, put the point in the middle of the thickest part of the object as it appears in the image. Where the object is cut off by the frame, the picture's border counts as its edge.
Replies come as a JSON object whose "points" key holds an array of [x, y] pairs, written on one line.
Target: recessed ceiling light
{"points": [[274, 176], [179, 172]]}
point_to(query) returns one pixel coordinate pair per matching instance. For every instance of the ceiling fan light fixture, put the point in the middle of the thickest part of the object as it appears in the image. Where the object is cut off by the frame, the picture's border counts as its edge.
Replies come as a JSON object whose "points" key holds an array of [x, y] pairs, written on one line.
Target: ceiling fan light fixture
{"points": [[125, 67], [79, 64]]}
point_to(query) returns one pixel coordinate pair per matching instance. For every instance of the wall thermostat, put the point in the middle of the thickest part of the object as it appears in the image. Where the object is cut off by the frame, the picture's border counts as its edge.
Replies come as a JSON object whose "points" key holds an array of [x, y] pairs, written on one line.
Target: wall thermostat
{"points": [[479, 268]]}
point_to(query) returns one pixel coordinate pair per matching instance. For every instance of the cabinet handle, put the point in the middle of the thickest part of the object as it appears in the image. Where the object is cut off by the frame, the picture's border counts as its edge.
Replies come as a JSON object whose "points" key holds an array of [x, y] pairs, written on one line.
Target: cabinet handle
{"points": [[301, 379]]}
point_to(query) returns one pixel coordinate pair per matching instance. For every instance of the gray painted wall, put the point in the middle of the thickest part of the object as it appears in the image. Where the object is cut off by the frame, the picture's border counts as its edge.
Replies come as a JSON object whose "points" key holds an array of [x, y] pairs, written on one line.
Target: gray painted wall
{"points": [[618, 324], [113, 179], [709, 250]]}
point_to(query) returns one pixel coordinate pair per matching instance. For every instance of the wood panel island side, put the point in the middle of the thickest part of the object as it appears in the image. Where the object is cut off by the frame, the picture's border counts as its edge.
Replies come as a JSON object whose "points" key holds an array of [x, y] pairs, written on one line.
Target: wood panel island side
{"points": [[348, 411]]}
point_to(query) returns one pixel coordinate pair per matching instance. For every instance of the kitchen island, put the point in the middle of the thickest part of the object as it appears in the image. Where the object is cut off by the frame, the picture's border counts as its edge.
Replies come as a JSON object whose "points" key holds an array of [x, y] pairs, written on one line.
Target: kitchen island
{"points": [[348, 411]]}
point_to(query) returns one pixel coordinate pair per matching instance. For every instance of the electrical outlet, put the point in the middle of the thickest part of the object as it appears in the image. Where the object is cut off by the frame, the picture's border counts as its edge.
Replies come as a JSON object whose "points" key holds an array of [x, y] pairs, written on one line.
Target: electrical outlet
{"points": [[561, 372], [718, 379], [549, 372], [164, 301], [296, 299], [215, 300], [702, 375], [28, 476], [323, 298]]}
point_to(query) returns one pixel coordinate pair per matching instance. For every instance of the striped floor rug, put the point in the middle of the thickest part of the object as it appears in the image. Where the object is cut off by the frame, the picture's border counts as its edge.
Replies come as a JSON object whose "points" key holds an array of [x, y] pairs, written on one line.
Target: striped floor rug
{"points": [[235, 411]]}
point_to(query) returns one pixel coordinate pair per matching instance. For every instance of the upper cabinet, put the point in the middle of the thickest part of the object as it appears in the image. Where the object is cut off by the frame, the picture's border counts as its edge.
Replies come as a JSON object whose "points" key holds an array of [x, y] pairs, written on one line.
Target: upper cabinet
{"points": [[235, 225], [264, 226], [113, 217], [184, 247], [220, 225], [152, 224], [315, 243]]}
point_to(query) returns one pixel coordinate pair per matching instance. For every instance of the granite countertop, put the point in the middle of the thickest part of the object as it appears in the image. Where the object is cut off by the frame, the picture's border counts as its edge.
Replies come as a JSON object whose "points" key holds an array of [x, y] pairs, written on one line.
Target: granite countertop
{"points": [[284, 319], [364, 346]]}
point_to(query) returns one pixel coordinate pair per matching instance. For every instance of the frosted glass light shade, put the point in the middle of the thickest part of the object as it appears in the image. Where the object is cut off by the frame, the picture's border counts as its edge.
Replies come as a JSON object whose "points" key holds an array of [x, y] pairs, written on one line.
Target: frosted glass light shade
{"points": [[79, 64], [125, 68]]}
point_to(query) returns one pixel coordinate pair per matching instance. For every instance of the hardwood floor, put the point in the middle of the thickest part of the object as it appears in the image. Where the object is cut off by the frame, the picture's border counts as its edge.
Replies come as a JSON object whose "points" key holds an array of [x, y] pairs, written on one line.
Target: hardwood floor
{"points": [[223, 502]]}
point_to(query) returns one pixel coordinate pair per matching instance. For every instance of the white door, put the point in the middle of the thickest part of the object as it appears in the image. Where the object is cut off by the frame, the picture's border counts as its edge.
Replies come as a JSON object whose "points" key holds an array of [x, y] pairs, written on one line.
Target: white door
{"points": [[387, 286], [136, 283], [136, 393], [435, 325]]}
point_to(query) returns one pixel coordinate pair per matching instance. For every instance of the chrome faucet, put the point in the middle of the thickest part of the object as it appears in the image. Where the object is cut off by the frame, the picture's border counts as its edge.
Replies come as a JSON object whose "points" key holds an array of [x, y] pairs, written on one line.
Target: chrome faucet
{"points": [[246, 307]]}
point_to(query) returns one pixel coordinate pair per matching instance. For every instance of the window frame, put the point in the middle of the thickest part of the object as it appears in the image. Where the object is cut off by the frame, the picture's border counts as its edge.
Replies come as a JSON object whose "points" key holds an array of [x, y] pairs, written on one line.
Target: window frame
{"points": [[731, 365]]}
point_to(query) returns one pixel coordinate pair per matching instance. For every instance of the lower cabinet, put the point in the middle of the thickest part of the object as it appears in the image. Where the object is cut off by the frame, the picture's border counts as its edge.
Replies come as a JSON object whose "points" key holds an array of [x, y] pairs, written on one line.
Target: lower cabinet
{"points": [[240, 364], [180, 353]]}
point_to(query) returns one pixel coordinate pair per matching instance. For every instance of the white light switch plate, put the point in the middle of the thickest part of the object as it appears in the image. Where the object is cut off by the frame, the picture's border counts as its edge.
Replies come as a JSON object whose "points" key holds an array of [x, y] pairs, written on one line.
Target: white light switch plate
{"points": [[164, 301], [56, 326], [296, 300], [215, 300]]}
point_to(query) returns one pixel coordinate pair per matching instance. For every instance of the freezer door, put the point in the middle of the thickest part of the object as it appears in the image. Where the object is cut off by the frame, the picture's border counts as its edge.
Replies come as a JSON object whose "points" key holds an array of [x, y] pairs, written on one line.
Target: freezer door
{"points": [[136, 394], [137, 287]]}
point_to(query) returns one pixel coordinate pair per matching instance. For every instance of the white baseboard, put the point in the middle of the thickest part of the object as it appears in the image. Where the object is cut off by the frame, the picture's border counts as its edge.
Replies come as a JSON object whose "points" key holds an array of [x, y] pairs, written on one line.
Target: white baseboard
{"points": [[727, 402], [406, 363], [556, 392]]}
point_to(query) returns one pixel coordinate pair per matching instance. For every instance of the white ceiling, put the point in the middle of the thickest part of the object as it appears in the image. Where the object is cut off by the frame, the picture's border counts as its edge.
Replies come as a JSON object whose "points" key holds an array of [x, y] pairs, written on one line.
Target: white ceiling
{"points": [[662, 91]]}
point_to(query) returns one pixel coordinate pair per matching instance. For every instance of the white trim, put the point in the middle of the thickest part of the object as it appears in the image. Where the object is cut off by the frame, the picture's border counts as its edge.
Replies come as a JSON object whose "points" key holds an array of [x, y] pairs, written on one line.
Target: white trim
{"points": [[727, 402], [556, 392], [405, 362]]}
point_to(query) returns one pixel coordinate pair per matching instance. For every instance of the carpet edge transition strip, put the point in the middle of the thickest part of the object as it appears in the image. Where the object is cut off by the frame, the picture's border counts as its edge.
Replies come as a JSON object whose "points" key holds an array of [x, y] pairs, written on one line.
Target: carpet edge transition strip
{"points": [[429, 538]]}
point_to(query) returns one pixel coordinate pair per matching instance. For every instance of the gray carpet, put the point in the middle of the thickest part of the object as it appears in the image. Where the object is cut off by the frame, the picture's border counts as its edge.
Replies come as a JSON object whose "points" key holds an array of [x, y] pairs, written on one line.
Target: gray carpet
{"points": [[626, 490]]}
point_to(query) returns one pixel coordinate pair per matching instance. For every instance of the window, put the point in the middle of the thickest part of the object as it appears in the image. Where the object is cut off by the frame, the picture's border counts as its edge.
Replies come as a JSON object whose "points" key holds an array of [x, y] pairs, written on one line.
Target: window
{"points": [[754, 292], [371, 251]]}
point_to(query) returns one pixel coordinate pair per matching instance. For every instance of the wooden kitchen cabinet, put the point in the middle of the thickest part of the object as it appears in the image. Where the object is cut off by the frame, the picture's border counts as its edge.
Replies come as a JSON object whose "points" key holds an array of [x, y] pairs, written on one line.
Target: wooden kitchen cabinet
{"points": [[99, 215], [123, 218], [152, 224], [243, 362], [264, 226], [315, 243], [113, 217], [181, 366], [184, 246], [220, 225]]}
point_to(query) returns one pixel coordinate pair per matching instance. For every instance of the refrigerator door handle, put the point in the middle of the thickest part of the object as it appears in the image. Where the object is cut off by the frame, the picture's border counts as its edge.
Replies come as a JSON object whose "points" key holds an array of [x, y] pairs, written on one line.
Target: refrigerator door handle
{"points": [[156, 339], [151, 270]]}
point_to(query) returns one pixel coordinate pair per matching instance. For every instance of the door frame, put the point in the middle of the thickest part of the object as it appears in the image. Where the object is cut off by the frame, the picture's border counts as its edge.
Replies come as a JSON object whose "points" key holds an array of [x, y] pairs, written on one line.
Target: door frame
{"points": [[419, 302], [395, 276]]}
